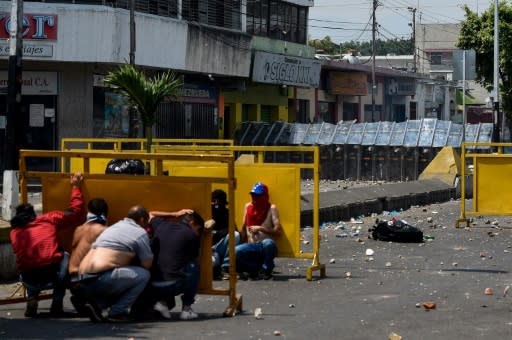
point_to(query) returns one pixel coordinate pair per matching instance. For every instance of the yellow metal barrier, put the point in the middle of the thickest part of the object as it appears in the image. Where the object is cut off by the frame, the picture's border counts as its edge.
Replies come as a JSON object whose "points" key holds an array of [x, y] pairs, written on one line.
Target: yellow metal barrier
{"points": [[156, 192], [492, 177], [282, 177], [99, 165]]}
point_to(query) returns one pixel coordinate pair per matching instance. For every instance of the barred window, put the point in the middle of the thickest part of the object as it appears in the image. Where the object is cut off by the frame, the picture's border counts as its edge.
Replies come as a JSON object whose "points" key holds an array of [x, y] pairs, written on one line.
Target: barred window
{"points": [[217, 13], [277, 19]]}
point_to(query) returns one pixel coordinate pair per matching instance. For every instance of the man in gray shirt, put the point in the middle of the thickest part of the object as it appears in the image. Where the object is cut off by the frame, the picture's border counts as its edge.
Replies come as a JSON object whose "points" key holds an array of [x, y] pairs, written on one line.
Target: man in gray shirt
{"points": [[115, 271]]}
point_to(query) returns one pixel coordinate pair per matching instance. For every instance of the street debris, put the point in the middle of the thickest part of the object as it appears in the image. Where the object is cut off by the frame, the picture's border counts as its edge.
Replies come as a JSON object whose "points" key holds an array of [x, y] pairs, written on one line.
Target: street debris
{"points": [[505, 291], [369, 252], [429, 305], [258, 314], [277, 332], [394, 336], [488, 291]]}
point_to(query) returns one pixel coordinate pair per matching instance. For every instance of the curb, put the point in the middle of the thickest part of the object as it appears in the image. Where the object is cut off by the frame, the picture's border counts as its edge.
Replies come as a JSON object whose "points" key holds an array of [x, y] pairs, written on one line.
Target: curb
{"points": [[343, 205]]}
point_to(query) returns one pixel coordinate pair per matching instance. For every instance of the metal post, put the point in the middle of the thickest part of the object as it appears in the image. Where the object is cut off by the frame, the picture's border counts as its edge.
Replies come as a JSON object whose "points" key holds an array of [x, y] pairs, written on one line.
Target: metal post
{"points": [[132, 125], [13, 119], [413, 39], [374, 28], [13, 128], [496, 89], [464, 118]]}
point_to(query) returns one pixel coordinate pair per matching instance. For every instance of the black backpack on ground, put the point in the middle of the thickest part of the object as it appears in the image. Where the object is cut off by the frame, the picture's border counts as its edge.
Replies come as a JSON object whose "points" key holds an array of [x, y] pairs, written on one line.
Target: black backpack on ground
{"points": [[395, 231]]}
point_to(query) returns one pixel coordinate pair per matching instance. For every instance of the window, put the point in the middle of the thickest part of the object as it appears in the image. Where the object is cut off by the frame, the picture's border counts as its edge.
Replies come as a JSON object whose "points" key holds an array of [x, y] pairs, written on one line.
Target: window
{"points": [[277, 19], [213, 12], [436, 59]]}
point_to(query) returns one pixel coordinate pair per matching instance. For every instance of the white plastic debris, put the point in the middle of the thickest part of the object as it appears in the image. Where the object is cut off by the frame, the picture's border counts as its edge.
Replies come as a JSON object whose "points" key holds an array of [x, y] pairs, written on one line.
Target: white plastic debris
{"points": [[369, 252], [258, 314]]}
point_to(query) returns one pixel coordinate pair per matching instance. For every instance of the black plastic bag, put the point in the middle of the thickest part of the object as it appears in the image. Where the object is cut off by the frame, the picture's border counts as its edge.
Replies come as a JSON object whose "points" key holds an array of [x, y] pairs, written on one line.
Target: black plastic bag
{"points": [[395, 231], [125, 166]]}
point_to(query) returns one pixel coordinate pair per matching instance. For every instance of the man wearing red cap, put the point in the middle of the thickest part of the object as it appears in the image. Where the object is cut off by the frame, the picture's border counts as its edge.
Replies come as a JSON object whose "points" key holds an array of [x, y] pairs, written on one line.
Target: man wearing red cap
{"points": [[255, 256]]}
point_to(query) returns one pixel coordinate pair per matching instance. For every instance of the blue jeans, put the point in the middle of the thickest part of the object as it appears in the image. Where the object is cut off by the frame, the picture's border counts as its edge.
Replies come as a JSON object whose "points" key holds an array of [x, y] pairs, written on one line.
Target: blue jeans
{"points": [[186, 286], [48, 277], [252, 257], [117, 288], [221, 251]]}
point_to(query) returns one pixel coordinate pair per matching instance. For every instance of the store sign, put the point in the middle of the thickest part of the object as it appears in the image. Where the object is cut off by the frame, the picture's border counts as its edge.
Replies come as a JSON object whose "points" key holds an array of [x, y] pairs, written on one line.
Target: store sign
{"points": [[401, 87], [198, 91], [34, 83], [29, 50], [36, 26], [348, 83], [285, 70]]}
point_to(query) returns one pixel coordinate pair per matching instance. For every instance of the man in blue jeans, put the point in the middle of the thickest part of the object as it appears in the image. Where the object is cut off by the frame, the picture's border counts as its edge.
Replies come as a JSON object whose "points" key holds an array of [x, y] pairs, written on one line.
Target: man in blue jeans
{"points": [[116, 269], [255, 255], [176, 246]]}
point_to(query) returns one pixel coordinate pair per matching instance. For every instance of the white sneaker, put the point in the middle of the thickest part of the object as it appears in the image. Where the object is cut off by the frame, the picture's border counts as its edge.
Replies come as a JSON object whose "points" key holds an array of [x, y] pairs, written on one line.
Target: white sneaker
{"points": [[159, 307], [188, 315]]}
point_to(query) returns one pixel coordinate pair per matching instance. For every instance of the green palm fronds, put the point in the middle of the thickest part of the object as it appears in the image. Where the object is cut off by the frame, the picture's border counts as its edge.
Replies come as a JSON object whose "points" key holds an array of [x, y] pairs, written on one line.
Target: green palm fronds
{"points": [[145, 94]]}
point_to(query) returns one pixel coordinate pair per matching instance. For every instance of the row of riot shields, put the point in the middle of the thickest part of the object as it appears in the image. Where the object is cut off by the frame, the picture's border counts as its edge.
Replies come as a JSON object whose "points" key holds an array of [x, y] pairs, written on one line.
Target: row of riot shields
{"points": [[388, 151]]}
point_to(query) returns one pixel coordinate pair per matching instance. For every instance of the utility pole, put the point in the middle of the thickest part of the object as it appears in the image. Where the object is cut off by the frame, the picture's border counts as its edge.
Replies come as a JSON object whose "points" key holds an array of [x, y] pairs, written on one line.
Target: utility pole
{"points": [[413, 38], [13, 128], [496, 87], [374, 28], [132, 115]]}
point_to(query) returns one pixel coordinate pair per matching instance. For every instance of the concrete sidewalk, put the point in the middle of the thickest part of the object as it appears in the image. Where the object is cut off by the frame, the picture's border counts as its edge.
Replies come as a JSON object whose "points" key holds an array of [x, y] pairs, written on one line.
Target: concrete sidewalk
{"points": [[341, 205]]}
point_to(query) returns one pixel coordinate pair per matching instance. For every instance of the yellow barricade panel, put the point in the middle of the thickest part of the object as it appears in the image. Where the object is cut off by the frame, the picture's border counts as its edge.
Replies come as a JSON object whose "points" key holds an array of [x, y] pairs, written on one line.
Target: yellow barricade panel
{"points": [[284, 187], [284, 192], [164, 194], [493, 185]]}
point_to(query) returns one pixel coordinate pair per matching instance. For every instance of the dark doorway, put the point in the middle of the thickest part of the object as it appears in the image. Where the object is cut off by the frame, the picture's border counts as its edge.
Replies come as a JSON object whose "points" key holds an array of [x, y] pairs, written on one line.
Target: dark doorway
{"points": [[38, 131]]}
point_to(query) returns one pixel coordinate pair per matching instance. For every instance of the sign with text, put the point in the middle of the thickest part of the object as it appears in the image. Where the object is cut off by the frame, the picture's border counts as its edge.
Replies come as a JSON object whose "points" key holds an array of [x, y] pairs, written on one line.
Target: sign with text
{"points": [[35, 83], [285, 70], [37, 26], [348, 83], [29, 50]]}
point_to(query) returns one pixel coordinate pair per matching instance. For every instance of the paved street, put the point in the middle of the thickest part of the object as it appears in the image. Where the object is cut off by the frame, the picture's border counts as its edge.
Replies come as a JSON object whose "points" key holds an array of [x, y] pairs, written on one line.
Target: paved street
{"points": [[362, 297]]}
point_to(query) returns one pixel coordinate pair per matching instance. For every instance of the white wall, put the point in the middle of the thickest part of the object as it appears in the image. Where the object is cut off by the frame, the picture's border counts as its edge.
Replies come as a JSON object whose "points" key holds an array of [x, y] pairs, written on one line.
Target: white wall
{"points": [[101, 34]]}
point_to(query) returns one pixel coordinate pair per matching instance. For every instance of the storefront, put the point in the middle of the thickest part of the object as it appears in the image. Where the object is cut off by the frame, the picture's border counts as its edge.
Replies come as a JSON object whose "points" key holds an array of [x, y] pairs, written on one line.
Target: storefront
{"points": [[269, 96], [38, 111]]}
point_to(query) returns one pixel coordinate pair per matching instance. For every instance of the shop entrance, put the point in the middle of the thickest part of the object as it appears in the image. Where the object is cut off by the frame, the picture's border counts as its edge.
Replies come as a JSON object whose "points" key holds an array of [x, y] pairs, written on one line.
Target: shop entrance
{"points": [[38, 117]]}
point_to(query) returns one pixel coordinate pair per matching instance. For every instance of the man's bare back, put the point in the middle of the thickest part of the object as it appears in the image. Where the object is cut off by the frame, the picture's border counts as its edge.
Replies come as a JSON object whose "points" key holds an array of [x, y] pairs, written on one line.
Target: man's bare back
{"points": [[83, 238], [100, 259]]}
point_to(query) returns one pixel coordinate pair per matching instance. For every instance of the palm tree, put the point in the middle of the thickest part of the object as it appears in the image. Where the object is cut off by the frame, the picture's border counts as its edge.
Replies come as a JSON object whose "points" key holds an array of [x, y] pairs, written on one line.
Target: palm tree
{"points": [[145, 94]]}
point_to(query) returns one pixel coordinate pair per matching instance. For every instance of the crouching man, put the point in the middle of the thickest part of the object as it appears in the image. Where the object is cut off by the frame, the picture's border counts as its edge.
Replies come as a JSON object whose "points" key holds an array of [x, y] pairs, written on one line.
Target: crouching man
{"points": [[116, 269]]}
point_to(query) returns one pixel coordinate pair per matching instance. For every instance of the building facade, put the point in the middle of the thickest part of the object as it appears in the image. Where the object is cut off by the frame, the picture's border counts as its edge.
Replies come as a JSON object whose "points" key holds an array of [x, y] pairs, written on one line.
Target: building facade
{"points": [[239, 60]]}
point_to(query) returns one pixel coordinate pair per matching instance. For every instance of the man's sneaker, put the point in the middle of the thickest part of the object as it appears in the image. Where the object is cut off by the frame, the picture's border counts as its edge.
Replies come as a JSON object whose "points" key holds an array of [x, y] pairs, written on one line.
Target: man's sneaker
{"points": [[56, 309], [93, 311], [120, 318], [79, 305], [267, 275], [162, 309], [188, 315], [254, 276], [244, 276], [31, 309]]}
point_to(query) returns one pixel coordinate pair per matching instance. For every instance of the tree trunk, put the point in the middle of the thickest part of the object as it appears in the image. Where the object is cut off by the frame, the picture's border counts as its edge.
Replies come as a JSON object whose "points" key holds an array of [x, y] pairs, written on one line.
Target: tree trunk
{"points": [[149, 138]]}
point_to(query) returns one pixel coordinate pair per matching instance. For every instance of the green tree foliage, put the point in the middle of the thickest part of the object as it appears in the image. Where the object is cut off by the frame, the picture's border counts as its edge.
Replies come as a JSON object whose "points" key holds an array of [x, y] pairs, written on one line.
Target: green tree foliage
{"points": [[477, 33], [382, 47], [144, 93]]}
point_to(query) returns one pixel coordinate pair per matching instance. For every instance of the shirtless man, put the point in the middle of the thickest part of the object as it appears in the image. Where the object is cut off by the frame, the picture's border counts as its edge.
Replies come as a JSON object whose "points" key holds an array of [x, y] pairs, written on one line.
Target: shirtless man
{"points": [[83, 238], [115, 271]]}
